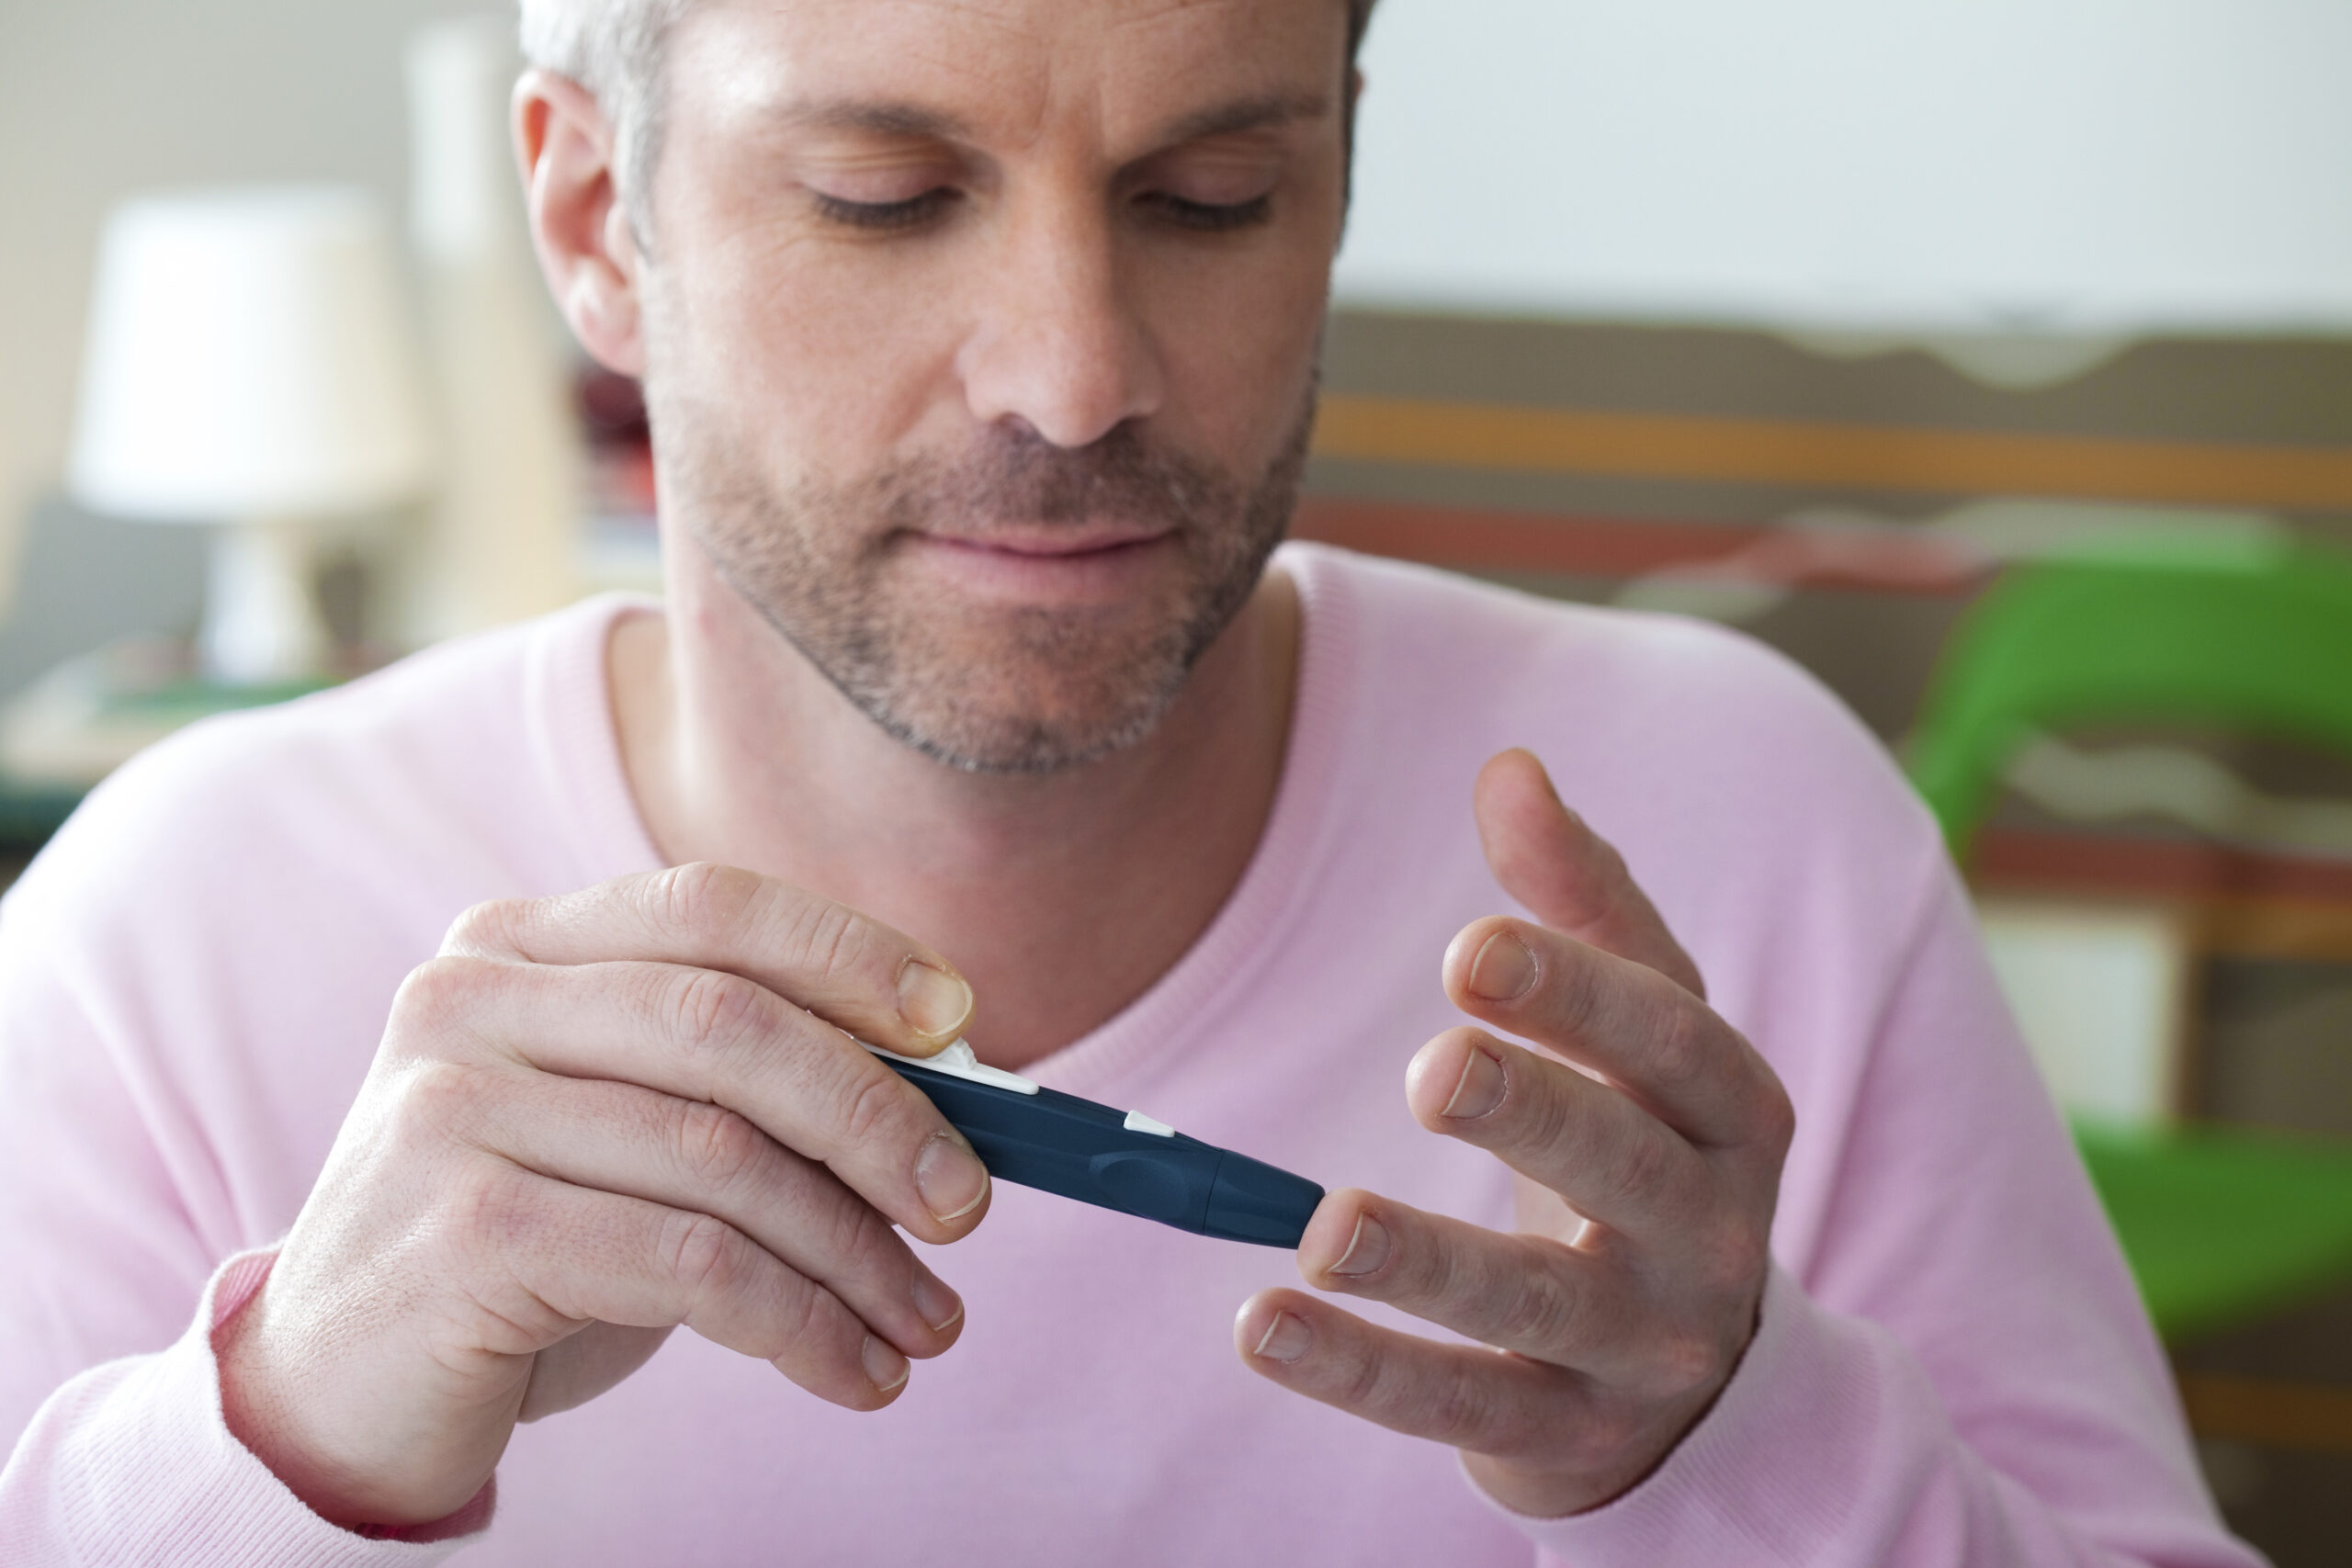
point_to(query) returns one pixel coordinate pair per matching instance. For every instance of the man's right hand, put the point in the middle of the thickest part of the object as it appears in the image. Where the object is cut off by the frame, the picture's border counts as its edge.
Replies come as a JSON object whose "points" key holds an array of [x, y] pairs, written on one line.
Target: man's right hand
{"points": [[592, 1118]]}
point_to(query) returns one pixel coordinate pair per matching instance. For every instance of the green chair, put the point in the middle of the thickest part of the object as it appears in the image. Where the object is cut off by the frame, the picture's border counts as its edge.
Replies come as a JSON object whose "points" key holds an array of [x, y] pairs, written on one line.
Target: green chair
{"points": [[2220, 1225]]}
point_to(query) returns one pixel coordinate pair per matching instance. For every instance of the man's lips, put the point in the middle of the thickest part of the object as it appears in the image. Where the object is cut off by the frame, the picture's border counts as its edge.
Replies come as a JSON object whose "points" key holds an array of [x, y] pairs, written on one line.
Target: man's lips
{"points": [[1071, 565], [1048, 543]]}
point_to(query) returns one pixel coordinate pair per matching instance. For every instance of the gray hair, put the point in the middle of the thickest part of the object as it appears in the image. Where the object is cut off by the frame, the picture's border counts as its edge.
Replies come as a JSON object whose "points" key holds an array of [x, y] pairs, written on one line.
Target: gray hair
{"points": [[613, 48]]}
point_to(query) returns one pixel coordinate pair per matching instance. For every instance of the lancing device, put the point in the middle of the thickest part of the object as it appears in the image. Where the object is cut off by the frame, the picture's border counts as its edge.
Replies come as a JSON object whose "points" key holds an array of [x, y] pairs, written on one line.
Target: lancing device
{"points": [[1118, 1159]]}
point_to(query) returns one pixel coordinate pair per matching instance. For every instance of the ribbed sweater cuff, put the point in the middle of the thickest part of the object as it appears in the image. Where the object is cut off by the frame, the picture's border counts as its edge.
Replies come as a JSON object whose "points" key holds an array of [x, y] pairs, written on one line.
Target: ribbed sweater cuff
{"points": [[1770, 1474], [133, 1462]]}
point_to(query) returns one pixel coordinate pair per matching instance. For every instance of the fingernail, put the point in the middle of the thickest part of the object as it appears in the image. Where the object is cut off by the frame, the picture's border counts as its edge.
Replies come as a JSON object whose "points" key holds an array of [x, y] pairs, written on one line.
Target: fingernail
{"points": [[950, 1176], [933, 1002], [936, 1303], [1367, 1249], [1287, 1339], [1479, 1089], [1503, 970], [883, 1364]]}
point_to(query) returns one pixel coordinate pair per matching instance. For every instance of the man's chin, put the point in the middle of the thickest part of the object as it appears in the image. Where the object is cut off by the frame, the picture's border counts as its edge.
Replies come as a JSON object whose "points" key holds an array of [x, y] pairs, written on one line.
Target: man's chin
{"points": [[979, 740], [1020, 709]]}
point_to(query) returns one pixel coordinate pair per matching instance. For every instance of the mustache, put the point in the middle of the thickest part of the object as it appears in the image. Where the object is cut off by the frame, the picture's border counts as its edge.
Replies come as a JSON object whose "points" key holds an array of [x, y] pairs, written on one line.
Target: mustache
{"points": [[1017, 477]]}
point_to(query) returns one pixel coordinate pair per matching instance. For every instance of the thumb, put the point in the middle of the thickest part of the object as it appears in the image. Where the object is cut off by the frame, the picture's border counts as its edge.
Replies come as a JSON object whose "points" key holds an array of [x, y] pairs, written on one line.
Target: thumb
{"points": [[1568, 876]]}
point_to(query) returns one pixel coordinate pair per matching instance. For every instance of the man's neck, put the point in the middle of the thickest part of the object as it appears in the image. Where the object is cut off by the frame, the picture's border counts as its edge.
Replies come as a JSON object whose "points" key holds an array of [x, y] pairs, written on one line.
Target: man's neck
{"points": [[1061, 897]]}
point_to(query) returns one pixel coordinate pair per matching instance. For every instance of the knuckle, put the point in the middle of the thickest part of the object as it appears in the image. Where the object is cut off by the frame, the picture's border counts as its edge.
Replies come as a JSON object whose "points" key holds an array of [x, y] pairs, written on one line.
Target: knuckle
{"points": [[1604, 882], [491, 927], [1362, 1383], [1535, 1306], [1638, 1169], [441, 1100], [702, 897], [720, 1149], [806, 1320], [1542, 1110], [440, 992], [857, 1232], [1680, 1044], [702, 1254], [811, 1316], [799, 1323], [709, 1009], [1429, 1274], [833, 942], [1572, 985], [1459, 1411], [492, 1211], [875, 1108]]}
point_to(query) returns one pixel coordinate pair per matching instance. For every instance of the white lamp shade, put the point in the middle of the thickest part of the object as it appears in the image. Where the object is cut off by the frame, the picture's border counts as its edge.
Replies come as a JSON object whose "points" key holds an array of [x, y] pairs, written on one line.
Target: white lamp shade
{"points": [[248, 357]]}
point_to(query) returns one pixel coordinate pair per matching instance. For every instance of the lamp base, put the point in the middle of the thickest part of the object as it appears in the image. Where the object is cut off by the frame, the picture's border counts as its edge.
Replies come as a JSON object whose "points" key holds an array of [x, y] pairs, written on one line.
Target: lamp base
{"points": [[262, 625]]}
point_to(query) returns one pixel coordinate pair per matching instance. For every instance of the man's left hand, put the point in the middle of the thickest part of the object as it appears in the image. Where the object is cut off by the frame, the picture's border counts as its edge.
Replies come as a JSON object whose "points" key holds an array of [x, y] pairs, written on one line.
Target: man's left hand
{"points": [[1647, 1137]]}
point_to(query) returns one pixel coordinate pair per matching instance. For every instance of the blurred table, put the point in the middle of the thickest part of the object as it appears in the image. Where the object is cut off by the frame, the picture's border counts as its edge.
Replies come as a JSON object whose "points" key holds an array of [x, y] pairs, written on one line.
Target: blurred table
{"points": [[73, 726]]}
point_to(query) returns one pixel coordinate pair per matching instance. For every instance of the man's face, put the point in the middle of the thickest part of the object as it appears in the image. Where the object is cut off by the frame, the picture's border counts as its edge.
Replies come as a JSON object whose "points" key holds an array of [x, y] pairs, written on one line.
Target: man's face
{"points": [[981, 339]]}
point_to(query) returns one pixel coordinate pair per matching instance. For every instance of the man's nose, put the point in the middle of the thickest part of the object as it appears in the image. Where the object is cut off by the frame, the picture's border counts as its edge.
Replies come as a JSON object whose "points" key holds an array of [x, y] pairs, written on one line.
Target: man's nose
{"points": [[1059, 340]]}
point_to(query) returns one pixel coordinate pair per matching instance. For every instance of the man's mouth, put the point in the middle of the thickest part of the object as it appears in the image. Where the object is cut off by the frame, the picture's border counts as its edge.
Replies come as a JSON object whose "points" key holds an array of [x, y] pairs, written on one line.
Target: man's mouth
{"points": [[1053, 542], [1067, 564]]}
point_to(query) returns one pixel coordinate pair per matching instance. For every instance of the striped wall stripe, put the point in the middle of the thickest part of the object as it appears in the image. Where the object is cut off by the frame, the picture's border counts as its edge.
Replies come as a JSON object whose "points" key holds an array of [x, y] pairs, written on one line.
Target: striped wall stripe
{"points": [[1581, 545], [2315, 1418], [1846, 457]]}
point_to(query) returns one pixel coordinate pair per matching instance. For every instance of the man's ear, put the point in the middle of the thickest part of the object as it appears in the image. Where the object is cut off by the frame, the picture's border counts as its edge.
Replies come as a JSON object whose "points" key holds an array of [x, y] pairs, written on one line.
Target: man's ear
{"points": [[579, 224]]}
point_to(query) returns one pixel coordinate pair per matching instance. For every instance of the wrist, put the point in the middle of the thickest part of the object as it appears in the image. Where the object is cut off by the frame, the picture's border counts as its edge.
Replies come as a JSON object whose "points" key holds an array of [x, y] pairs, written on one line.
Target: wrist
{"points": [[262, 1414], [1610, 1466], [254, 1413], [1546, 1491], [1615, 1467]]}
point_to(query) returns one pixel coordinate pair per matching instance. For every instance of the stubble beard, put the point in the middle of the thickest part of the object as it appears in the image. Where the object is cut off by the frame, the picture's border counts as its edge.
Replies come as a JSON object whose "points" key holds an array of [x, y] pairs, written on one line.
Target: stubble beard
{"points": [[986, 690]]}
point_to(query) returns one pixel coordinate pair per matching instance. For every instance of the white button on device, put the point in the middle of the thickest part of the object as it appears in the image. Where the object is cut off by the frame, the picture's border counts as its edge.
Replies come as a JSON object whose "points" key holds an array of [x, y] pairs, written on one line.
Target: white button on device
{"points": [[958, 1061], [1138, 1122]]}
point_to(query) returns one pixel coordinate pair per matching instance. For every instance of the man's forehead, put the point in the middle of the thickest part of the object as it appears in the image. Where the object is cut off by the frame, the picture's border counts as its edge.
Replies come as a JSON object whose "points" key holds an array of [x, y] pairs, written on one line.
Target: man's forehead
{"points": [[1035, 17], [985, 69]]}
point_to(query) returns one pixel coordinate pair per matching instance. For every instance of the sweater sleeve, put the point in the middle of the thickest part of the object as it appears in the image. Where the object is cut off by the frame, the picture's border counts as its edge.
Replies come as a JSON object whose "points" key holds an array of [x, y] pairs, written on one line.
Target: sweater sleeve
{"points": [[133, 1462], [1965, 1376], [117, 1213]]}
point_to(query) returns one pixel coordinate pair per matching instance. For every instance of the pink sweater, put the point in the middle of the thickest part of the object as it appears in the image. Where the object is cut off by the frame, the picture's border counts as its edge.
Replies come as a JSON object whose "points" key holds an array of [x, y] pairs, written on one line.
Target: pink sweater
{"points": [[1951, 1368]]}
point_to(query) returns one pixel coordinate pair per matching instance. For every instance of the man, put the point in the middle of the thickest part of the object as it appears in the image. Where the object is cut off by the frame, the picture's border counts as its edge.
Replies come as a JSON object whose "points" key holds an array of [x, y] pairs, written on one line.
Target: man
{"points": [[980, 338]]}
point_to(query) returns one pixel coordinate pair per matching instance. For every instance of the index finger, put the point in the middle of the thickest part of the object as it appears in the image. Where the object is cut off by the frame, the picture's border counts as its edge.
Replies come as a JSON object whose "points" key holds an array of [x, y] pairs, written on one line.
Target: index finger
{"points": [[1574, 880], [702, 1034], [1622, 1020], [879, 984]]}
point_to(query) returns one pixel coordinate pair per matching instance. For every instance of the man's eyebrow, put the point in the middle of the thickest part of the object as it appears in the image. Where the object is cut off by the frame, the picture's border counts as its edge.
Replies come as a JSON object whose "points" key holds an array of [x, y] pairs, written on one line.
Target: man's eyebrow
{"points": [[883, 117], [875, 117], [1248, 114]]}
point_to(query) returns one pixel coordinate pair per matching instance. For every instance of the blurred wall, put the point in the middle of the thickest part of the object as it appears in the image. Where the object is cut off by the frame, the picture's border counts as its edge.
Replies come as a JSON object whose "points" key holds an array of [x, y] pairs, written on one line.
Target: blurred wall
{"points": [[1989, 164], [101, 98], [2084, 166]]}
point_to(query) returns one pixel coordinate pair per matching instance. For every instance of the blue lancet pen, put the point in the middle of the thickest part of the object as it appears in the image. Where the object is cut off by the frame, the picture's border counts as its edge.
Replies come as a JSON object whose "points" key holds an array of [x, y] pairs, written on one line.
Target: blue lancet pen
{"points": [[1118, 1159]]}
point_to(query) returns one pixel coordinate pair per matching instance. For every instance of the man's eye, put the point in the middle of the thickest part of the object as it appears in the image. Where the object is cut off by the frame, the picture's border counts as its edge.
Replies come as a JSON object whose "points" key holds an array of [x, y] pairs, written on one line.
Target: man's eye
{"points": [[1210, 217], [886, 215]]}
